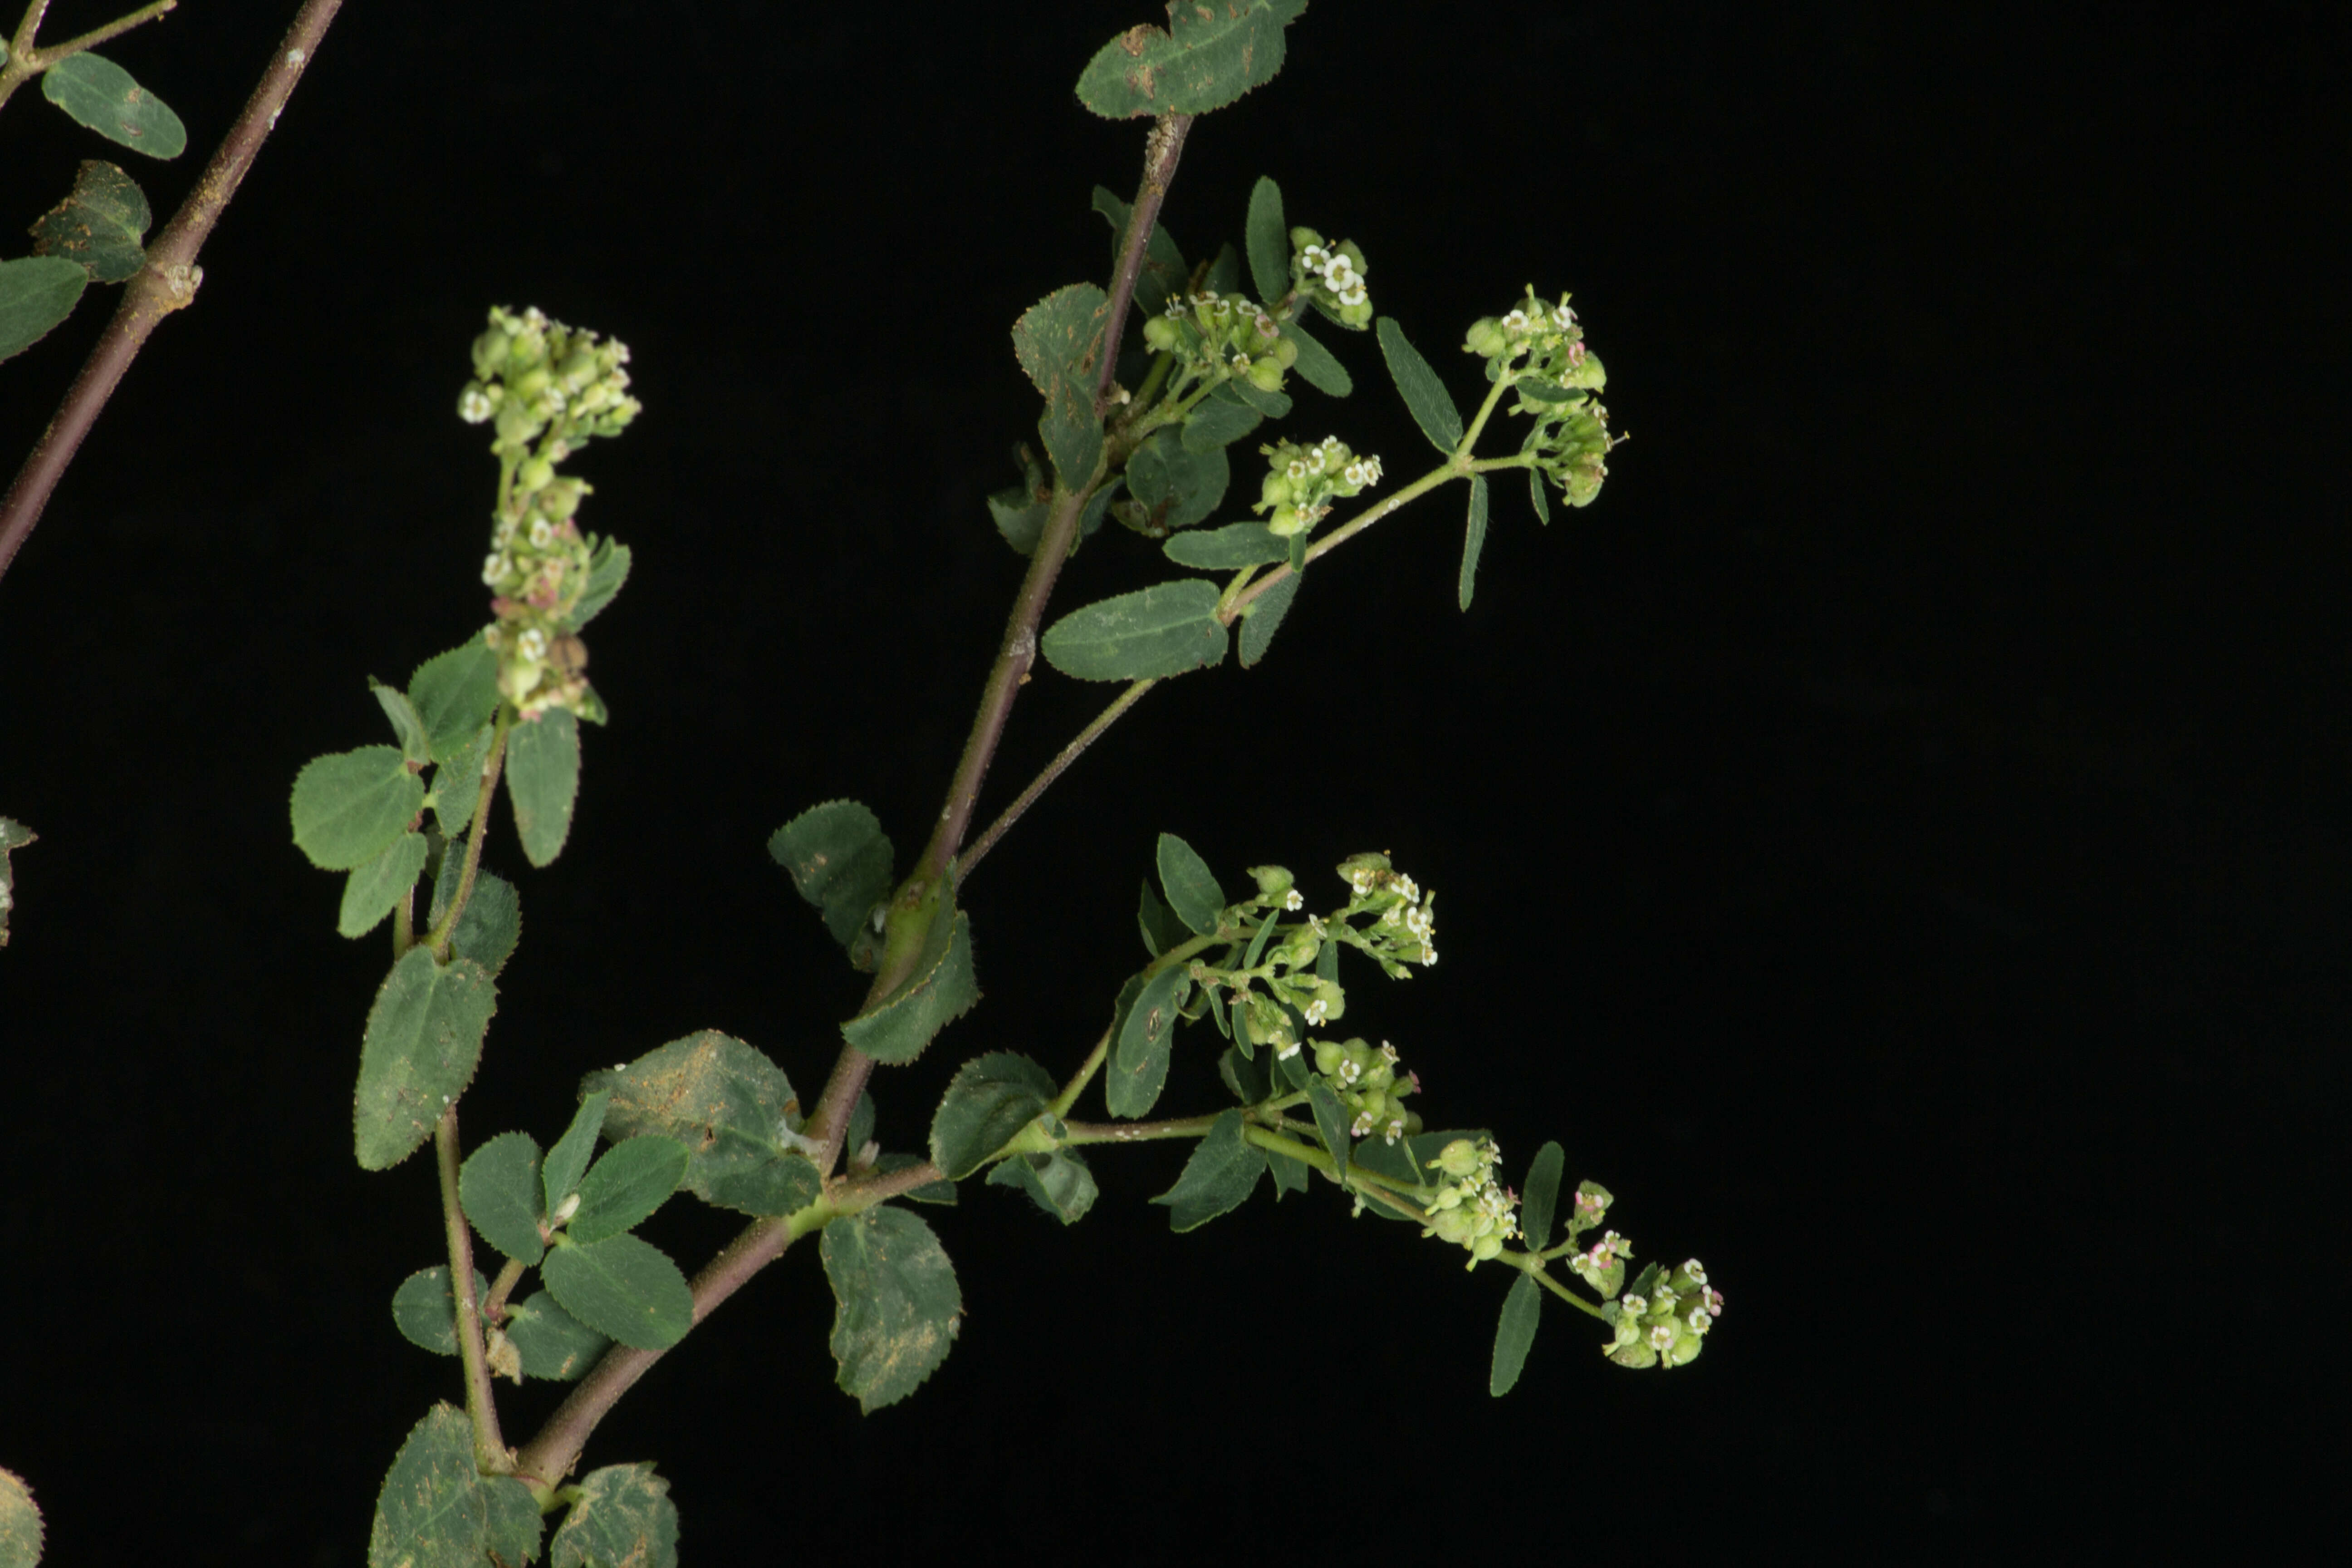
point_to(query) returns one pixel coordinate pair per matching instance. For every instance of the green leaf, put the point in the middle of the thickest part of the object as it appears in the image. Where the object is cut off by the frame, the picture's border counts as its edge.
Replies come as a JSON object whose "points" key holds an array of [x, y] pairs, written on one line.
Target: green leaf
{"points": [[1163, 272], [726, 1102], [1289, 1174], [621, 1190], [1264, 618], [1162, 929], [1267, 238], [370, 892], [840, 860], [1535, 494], [1226, 549], [498, 1187], [622, 1287], [1273, 404], [940, 990], [1323, 373], [1019, 517], [1178, 487], [989, 1099], [36, 294], [560, 1173], [1218, 1178], [1330, 1120], [1225, 271], [1165, 629], [896, 1304], [457, 783], [99, 225], [1139, 1060], [103, 96], [407, 727], [861, 1121], [1059, 341], [1521, 1310], [423, 1039], [1192, 890], [941, 1192], [1219, 420], [13, 835], [553, 1344], [542, 782], [425, 1310], [1542, 1191], [1424, 396], [621, 1517], [350, 807], [1407, 1159], [608, 568], [492, 923], [1207, 58], [1244, 1075], [456, 693], [20, 1517], [1058, 1182], [1475, 539], [438, 1511]]}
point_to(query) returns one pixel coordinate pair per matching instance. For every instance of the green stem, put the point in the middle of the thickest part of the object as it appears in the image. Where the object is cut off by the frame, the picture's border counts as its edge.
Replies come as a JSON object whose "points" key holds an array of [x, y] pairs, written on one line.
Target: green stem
{"points": [[483, 799], [493, 1305], [1138, 1131], [1044, 780], [1083, 1077], [1528, 1264], [489, 1449]]}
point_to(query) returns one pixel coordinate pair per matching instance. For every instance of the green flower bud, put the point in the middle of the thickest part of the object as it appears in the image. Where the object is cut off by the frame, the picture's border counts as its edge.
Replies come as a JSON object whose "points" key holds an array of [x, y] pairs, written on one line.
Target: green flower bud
{"points": [[1286, 521], [531, 382], [1160, 335], [1459, 1158], [1286, 349], [1328, 1053], [1589, 372], [1272, 880], [491, 353], [535, 475], [1358, 315], [1302, 237], [1484, 1248], [1486, 338], [1276, 491], [1265, 374], [561, 499]]}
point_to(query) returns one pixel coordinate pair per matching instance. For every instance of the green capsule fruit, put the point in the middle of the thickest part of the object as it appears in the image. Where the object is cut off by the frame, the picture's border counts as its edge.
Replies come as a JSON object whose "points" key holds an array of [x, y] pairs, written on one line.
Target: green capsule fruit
{"points": [[535, 475], [1160, 334], [1486, 338]]}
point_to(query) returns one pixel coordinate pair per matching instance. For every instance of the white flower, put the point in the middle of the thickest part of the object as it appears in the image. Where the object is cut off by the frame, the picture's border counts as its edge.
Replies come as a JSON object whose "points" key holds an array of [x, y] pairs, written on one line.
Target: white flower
{"points": [[542, 534], [1313, 258], [1291, 900], [494, 567], [1516, 324], [1353, 294], [473, 405], [533, 644]]}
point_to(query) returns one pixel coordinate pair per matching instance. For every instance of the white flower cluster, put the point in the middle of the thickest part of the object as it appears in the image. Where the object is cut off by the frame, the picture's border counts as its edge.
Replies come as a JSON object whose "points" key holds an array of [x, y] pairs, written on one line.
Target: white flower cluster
{"points": [[1371, 1086], [1666, 1327], [1570, 440], [1301, 482], [1233, 335], [1472, 1210], [1406, 929], [1332, 276]]}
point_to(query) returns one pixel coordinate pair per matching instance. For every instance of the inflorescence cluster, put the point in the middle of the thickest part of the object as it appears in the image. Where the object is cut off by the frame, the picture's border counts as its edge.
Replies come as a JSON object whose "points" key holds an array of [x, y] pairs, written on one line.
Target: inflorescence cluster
{"points": [[1570, 440]]}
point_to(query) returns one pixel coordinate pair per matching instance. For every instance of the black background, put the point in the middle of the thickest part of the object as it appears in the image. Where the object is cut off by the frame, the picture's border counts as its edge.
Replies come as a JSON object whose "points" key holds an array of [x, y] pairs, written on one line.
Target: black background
{"points": [[1893, 838]]}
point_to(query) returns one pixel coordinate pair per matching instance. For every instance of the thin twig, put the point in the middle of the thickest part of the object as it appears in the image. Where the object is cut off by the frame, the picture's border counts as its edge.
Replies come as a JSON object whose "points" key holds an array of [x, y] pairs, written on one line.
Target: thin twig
{"points": [[165, 284], [489, 1447], [1044, 780]]}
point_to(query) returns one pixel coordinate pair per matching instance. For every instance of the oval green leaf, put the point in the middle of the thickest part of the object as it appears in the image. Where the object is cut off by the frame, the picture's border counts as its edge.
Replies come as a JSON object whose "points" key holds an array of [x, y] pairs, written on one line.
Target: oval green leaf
{"points": [[1207, 58], [1522, 1309], [20, 1517], [1059, 341], [426, 1311], [1425, 394], [726, 1102], [608, 569], [621, 1517], [840, 860], [896, 1307], [102, 95], [941, 989], [1267, 239], [1228, 549], [624, 1287], [1474, 539], [1057, 1181], [543, 781], [1166, 629], [1191, 886], [565, 1163], [370, 892], [423, 1039], [989, 1100], [1138, 1069], [348, 808], [553, 1344], [498, 1187], [1325, 374], [36, 294], [454, 694], [1218, 1178], [436, 1507], [621, 1190], [1542, 1191], [1264, 618], [99, 225]]}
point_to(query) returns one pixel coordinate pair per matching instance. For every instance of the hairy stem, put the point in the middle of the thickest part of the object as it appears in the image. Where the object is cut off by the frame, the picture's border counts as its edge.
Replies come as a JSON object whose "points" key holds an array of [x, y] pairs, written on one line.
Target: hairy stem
{"points": [[1044, 780], [483, 799], [1160, 153], [166, 283], [493, 1305], [489, 1447]]}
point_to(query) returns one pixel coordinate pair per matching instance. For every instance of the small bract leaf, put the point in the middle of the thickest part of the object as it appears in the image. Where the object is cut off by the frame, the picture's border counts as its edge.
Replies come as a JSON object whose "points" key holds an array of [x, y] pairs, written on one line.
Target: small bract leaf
{"points": [[1535, 494], [625, 1288], [1209, 57], [423, 1039], [553, 1344], [1228, 549], [370, 892], [565, 1163], [840, 860], [1163, 630], [941, 989], [543, 780], [1244, 1075], [498, 1187], [1474, 539], [1219, 420], [408, 728], [621, 1517], [487, 932], [621, 1190], [1218, 1178], [1059, 343], [1267, 239], [1425, 394], [99, 225], [36, 294], [726, 1102], [425, 1310], [456, 693], [1324, 373], [1138, 1068], [1163, 272], [1542, 1191], [1522, 1309], [349, 807], [1057, 1181], [989, 1099], [608, 568], [20, 1523], [438, 1511], [103, 96], [896, 1304], [1330, 1120], [1191, 886], [1264, 615]]}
